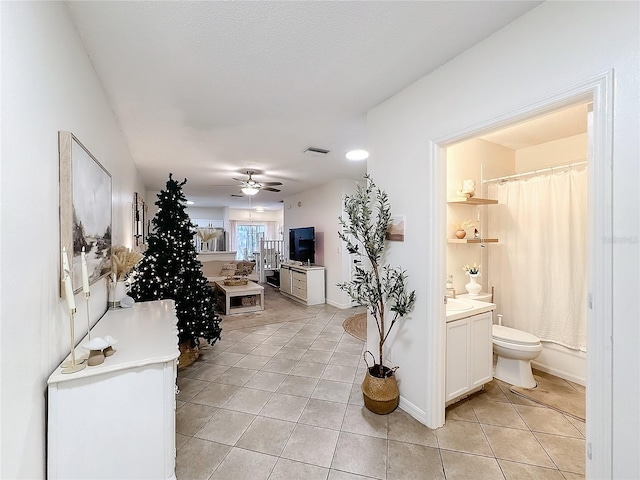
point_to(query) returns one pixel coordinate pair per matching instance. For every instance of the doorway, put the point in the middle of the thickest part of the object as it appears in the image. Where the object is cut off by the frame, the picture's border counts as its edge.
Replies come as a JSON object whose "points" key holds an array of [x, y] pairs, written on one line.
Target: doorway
{"points": [[534, 238], [597, 91]]}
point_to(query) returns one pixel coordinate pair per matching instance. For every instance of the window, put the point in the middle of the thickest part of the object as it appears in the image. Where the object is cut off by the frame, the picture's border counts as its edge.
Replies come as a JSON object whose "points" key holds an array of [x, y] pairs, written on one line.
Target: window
{"points": [[248, 240]]}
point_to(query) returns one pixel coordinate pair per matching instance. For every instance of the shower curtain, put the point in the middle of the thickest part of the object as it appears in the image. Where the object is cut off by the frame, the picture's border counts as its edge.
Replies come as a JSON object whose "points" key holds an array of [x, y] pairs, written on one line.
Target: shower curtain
{"points": [[538, 268]]}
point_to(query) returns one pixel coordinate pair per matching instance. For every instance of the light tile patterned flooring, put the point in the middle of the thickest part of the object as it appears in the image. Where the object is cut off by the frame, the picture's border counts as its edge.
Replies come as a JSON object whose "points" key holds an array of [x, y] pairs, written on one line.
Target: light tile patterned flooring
{"points": [[283, 401]]}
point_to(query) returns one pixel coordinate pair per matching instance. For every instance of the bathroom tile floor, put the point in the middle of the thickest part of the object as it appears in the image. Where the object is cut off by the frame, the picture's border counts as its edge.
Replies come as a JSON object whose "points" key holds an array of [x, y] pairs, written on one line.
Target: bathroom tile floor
{"points": [[283, 401]]}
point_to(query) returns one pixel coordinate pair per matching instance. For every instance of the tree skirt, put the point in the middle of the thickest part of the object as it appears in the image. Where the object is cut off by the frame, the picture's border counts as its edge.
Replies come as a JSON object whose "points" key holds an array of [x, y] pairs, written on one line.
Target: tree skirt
{"points": [[356, 326], [188, 355]]}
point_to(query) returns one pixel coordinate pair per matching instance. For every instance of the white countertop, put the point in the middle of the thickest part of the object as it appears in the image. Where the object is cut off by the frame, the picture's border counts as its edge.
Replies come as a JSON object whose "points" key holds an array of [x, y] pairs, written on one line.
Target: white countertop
{"points": [[465, 307], [146, 333]]}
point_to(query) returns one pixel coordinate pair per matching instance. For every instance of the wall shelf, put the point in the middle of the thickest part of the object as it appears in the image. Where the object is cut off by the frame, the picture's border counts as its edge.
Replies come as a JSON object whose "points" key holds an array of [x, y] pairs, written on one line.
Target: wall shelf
{"points": [[472, 240], [472, 201]]}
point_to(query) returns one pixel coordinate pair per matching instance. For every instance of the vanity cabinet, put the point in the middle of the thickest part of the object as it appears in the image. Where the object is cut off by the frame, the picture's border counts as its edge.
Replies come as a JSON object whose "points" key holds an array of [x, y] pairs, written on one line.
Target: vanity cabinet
{"points": [[469, 355], [117, 419], [303, 283]]}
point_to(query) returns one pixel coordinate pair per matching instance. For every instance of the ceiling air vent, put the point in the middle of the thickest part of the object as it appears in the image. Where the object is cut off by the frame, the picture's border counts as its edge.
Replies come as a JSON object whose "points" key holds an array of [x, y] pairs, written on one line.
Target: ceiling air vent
{"points": [[318, 152]]}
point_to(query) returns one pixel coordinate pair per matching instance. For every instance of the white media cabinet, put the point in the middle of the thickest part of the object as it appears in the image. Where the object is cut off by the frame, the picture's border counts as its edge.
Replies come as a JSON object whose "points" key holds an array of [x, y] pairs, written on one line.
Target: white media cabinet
{"points": [[303, 283], [117, 419]]}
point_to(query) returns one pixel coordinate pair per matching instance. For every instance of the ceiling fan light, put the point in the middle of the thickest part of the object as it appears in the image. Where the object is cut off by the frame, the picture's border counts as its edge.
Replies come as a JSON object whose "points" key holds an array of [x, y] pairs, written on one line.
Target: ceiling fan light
{"points": [[249, 190], [357, 155]]}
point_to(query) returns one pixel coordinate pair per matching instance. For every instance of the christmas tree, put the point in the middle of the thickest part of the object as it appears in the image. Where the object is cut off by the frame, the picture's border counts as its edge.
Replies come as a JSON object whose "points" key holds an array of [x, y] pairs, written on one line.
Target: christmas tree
{"points": [[170, 269]]}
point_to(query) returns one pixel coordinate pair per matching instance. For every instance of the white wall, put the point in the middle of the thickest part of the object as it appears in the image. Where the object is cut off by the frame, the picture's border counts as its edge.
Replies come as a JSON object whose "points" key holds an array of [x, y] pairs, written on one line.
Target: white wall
{"points": [[251, 215], [48, 84], [320, 208], [558, 152], [551, 49]]}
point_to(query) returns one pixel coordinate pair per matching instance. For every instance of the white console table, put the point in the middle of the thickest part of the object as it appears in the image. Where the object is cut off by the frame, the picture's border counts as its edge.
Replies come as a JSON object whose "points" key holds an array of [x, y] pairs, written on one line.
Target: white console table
{"points": [[117, 419], [303, 283]]}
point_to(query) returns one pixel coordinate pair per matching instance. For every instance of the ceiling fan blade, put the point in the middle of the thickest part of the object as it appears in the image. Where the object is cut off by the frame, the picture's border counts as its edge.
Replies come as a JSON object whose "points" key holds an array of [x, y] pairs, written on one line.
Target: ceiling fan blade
{"points": [[271, 183], [270, 189], [236, 195]]}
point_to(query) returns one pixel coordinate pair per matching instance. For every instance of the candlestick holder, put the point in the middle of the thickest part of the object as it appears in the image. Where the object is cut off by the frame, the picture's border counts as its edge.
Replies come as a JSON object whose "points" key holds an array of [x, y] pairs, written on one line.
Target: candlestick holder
{"points": [[85, 357], [73, 366]]}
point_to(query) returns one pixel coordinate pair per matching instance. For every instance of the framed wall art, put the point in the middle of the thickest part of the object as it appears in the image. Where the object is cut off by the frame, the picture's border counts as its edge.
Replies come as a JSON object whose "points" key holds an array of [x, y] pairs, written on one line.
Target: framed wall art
{"points": [[85, 209], [395, 229]]}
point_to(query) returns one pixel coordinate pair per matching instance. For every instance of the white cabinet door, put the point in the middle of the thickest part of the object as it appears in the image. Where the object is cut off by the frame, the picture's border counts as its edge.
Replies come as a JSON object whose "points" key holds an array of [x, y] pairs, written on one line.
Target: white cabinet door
{"points": [[481, 349], [285, 280], [457, 373], [469, 354]]}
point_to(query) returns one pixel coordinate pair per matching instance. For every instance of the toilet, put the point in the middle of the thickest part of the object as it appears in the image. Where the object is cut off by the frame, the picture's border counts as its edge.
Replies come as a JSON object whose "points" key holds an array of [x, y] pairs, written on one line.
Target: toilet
{"points": [[515, 350]]}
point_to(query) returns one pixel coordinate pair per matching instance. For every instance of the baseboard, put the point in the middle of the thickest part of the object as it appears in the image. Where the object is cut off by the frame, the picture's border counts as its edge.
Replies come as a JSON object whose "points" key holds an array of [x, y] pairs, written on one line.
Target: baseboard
{"points": [[559, 373], [341, 306], [409, 408]]}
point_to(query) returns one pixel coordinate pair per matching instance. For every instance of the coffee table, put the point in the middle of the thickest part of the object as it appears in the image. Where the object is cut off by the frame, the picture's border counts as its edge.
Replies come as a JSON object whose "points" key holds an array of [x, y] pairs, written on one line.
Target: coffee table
{"points": [[240, 298]]}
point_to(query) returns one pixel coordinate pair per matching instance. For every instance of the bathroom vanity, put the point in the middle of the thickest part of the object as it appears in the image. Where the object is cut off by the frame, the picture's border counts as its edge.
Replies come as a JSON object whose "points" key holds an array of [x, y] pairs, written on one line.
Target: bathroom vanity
{"points": [[469, 347]]}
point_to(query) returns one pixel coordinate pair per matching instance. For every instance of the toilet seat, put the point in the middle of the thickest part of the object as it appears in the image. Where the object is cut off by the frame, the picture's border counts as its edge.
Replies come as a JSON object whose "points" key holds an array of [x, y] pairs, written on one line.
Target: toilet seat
{"points": [[514, 336]]}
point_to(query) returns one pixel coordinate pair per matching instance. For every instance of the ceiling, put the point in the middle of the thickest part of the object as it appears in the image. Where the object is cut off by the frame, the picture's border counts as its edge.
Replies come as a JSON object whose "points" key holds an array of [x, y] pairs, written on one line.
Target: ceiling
{"points": [[207, 90], [545, 128]]}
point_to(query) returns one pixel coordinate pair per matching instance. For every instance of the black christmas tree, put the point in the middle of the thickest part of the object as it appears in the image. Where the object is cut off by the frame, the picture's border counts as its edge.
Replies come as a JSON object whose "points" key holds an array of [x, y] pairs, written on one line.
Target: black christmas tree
{"points": [[170, 269]]}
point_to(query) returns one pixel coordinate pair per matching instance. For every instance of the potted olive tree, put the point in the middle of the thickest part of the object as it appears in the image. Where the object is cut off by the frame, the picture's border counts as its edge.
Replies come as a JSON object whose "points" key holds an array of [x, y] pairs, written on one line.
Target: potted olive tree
{"points": [[381, 288]]}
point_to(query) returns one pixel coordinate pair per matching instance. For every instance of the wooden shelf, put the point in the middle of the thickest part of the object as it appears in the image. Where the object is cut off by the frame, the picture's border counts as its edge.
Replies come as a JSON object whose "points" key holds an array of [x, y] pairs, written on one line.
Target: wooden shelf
{"points": [[472, 240], [472, 201]]}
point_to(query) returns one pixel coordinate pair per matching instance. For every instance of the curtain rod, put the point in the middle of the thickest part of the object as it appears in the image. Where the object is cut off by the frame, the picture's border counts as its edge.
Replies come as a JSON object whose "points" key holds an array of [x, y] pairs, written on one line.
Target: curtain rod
{"points": [[533, 172]]}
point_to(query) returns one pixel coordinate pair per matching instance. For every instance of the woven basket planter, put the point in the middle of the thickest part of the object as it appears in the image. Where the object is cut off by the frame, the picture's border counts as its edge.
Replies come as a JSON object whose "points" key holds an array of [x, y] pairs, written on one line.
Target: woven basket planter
{"points": [[381, 395]]}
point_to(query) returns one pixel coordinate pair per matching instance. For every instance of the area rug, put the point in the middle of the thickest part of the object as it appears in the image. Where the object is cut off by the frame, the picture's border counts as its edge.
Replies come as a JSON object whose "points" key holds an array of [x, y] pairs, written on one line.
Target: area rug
{"points": [[356, 326], [277, 309], [556, 393]]}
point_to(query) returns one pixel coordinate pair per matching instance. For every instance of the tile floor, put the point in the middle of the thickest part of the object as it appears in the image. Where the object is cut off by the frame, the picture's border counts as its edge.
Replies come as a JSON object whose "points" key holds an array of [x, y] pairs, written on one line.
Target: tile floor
{"points": [[283, 401]]}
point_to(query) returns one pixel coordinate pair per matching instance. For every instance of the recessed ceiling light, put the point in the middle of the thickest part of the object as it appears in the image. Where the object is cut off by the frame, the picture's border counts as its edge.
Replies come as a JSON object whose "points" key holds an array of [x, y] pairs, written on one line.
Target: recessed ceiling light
{"points": [[190, 202], [259, 209], [357, 155]]}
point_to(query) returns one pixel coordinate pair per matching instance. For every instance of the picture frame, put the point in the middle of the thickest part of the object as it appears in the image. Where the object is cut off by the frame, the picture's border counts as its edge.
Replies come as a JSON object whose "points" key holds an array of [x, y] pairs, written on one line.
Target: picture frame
{"points": [[395, 229], [85, 210]]}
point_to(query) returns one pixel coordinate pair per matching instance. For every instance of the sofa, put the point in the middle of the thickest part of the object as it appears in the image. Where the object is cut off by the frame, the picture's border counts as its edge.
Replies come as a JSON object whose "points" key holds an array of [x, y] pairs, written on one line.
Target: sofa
{"points": [[218, 270]]}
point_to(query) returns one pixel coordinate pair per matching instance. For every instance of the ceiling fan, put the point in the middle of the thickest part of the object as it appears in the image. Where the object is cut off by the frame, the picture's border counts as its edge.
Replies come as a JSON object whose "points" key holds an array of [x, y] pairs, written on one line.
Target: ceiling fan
{"points": [[250, 186]]}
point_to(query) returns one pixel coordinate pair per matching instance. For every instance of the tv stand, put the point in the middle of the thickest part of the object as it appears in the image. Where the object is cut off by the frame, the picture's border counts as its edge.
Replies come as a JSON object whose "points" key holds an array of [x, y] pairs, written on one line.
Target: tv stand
{"points": [[303, 283]]}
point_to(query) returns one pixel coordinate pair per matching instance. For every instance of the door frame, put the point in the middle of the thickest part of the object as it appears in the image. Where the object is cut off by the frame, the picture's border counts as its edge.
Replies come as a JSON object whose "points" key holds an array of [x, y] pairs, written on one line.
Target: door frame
{"points": [[599, 406]]}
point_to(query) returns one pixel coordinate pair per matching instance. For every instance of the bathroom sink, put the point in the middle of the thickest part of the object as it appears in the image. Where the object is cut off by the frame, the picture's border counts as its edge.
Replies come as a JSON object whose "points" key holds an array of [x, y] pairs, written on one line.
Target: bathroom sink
{"points": [[454, 305]]}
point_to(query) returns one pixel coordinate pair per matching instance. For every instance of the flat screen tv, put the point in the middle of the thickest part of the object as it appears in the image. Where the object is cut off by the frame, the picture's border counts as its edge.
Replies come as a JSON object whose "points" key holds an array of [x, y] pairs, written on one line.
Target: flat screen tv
{"points": [[302, 246]]}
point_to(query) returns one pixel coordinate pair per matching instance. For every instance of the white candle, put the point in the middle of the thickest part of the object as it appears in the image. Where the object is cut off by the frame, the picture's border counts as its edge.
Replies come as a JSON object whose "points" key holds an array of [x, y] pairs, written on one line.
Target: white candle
{"points": [[85, 274], [68, 289]]}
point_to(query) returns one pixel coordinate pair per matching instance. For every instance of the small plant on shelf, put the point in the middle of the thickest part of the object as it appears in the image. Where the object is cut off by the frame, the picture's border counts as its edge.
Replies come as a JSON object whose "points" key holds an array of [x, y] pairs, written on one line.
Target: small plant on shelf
{"points": [[464, 225]]}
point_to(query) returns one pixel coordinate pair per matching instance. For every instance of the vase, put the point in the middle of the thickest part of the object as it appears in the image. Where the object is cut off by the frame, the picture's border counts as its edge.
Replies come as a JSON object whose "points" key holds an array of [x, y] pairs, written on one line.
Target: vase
{"points": [[117, 291], [461, 234], [473, 287]]}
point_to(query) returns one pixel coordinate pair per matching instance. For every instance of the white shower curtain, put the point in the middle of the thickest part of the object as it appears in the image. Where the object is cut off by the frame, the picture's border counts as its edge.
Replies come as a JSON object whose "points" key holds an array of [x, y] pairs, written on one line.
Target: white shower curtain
{"points": [[538, 268]]}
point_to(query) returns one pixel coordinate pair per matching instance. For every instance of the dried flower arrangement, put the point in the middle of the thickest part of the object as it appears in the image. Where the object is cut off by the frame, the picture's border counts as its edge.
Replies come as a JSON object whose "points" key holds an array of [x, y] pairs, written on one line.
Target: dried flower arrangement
{"points": [[123, 260], [206, 234], [472, 269], [464, 225]]}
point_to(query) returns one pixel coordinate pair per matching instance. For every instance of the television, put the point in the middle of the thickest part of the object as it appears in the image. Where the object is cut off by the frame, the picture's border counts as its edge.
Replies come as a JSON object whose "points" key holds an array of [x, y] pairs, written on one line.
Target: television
{"points": [[302, 246]]}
